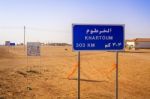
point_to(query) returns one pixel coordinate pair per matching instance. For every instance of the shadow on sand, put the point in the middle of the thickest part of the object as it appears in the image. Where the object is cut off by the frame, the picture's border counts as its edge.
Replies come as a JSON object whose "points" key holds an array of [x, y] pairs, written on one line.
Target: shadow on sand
{"points": [[136, 52], [87, 80], [132, 51]]}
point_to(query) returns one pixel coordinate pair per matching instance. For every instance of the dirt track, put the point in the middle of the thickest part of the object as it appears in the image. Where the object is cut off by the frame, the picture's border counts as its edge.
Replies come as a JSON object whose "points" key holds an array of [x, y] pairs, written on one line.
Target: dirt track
{"points": [[45, 77]]}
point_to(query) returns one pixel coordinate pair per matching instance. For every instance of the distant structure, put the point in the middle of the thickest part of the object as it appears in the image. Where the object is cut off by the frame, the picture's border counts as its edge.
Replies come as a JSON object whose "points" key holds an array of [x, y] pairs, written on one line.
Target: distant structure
{"points": [[58, 44], [7, 43], [138, 43], [20, 44], [42, 44], [12, 44]]}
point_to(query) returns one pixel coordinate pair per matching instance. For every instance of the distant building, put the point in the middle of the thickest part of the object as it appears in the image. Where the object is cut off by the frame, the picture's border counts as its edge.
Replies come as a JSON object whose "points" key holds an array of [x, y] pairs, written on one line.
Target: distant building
{"points": [[12, 44], [138, 43], [58, 44], [7, 43], [42, 44]]}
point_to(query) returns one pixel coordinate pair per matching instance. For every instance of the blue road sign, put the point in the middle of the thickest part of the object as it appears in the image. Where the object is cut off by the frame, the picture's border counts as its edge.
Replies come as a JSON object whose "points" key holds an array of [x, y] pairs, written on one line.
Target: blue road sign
{"points": [[98, 37]]}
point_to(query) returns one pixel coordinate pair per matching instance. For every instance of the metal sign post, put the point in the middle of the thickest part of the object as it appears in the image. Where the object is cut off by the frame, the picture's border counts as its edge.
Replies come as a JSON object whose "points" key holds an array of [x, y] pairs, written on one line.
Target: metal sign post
{"points": [[24, 38], [116, 92], [79, 75]]}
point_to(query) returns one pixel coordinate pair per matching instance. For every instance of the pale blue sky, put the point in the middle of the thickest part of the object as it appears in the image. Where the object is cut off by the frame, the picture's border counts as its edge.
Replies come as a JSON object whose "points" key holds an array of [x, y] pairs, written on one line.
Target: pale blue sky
{"points": [[51, 20]]}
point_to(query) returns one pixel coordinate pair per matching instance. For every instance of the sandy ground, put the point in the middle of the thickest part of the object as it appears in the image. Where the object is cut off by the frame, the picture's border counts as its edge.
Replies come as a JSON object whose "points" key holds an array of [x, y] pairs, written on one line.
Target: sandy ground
{"points": [[45, 77]]}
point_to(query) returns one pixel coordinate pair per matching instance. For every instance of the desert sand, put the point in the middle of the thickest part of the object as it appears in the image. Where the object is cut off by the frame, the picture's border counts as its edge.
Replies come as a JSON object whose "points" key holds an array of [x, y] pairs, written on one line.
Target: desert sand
{"points": [[45, 77]]}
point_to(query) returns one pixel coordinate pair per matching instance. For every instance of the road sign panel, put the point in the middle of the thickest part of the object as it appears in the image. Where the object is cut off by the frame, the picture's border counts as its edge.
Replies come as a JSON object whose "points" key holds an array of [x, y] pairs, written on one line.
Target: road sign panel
{"points": [[33, 48], [98, 37]]}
